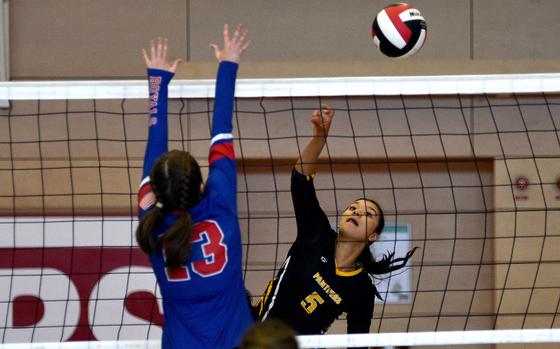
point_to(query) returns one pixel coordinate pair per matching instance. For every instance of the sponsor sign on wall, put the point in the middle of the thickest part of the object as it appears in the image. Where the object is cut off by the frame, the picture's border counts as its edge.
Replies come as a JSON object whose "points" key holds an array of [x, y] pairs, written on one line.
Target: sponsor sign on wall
{"points": [[75, 279]]}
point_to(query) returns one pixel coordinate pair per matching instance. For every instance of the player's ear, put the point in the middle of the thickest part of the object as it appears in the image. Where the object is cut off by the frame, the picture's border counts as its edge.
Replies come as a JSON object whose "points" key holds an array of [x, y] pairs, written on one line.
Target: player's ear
{"points": [[373, 236]]}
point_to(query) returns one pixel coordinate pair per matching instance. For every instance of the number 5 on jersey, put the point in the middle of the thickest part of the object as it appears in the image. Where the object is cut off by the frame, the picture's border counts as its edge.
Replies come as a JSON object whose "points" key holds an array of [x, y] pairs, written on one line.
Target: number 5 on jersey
{"points": [[213, 250], [310, 303]]}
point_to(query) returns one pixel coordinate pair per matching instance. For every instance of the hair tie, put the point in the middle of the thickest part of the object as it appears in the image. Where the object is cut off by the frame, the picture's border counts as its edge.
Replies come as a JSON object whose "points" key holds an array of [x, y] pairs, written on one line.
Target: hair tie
{"points": [[159, 205]]}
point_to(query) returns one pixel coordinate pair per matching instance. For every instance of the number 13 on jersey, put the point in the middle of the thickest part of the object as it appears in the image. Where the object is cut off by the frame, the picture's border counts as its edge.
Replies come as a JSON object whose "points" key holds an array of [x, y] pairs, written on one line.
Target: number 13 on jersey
{"points": [[214, 252]]}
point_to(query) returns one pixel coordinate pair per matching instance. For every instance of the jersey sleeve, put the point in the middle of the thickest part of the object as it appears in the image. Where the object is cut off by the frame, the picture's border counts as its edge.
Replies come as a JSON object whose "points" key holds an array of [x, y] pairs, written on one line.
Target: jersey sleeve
{"points": [[222, 176], [312, 222], [158, 81]]}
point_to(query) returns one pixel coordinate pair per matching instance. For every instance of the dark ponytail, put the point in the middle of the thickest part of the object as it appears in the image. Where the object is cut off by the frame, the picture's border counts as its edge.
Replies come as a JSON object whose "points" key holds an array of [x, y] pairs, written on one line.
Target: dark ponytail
{"points": [[175, 180], [177, 241], [388, 263], [144, 231]]}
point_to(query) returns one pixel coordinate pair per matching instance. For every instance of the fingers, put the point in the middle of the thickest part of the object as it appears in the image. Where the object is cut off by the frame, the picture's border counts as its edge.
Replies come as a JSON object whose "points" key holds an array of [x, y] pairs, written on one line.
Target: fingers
{"points": [[245, 32], [159, 47], [164, 49], [176, 64], [152, 49], [156, 57], [246, 46], [236, 33], [234, 44], [216, 49], [327, 112], [226, 33], [241, 39], [321, 119], [316, 118], [146, 58], [326, 108], [239, 35]]}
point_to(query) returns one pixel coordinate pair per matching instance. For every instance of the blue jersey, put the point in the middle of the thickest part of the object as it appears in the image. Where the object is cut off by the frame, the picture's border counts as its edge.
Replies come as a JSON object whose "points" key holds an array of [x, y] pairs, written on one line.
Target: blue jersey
{"points": [[204, 302]]}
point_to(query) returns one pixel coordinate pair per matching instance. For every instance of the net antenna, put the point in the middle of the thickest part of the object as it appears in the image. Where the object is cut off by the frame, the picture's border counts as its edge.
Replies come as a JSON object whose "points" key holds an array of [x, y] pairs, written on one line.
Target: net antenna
{"points": [[466, 167]]}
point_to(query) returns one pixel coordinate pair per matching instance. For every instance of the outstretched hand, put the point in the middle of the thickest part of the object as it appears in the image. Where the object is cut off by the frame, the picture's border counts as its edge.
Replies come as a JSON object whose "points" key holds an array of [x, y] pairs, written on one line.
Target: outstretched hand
{"points": [[234, 46], [157, 58], [321, 120]]}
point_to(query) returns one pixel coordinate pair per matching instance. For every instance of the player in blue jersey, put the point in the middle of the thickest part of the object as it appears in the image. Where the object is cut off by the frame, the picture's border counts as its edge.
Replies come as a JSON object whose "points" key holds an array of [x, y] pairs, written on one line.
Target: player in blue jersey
{"points": [[190, 229]]}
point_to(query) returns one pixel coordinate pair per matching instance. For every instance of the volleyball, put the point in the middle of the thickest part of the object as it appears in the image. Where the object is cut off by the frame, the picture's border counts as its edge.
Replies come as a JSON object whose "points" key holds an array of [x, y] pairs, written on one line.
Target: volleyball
{"points": [[399, 30]]}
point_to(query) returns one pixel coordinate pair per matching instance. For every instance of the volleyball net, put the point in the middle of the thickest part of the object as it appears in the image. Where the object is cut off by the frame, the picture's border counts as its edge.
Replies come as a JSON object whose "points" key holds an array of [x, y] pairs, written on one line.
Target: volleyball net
{"points": [[465, 167]]}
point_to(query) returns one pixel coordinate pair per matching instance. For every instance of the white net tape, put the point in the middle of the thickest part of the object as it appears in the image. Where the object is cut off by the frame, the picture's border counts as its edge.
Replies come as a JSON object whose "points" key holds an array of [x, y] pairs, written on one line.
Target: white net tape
{"points": [[351, 86], [447, 338]]}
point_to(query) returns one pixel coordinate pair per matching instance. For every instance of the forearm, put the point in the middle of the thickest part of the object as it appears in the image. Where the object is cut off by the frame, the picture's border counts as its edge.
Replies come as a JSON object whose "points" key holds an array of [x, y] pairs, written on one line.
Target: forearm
{"points": [[307, 162], [223, 102], [157, 123], [221, 158]]}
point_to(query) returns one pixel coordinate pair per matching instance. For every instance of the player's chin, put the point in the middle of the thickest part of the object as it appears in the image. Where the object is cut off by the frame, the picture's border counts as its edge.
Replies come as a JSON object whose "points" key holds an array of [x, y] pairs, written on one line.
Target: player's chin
{"points": [[347, 229], [352, 233]]}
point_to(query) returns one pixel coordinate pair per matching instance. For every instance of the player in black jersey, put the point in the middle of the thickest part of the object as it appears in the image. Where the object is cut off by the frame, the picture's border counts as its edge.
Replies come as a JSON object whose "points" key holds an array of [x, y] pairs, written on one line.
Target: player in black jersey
{"points": [[326, 273]]}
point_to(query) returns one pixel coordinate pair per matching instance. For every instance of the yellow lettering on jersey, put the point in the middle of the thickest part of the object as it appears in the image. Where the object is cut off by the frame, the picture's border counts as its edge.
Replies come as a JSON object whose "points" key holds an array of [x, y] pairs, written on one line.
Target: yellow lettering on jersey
{"points": [[323, 284], [311, 302]]}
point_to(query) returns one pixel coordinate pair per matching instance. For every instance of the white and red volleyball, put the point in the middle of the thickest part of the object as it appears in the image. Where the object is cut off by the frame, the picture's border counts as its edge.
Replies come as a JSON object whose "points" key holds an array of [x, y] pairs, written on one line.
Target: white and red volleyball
{"points": [[399, 30]]}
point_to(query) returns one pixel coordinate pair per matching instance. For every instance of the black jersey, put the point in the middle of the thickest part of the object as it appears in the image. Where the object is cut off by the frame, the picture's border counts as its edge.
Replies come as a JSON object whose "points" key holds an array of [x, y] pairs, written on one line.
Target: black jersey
{"points": [[309, 293]]}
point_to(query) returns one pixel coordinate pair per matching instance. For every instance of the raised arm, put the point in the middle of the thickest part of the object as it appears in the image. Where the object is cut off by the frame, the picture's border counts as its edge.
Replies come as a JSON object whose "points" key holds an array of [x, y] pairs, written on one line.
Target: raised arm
{"points": [[160, 73], [321, 120], [311, 221], [221, 157], [228, 57]]}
